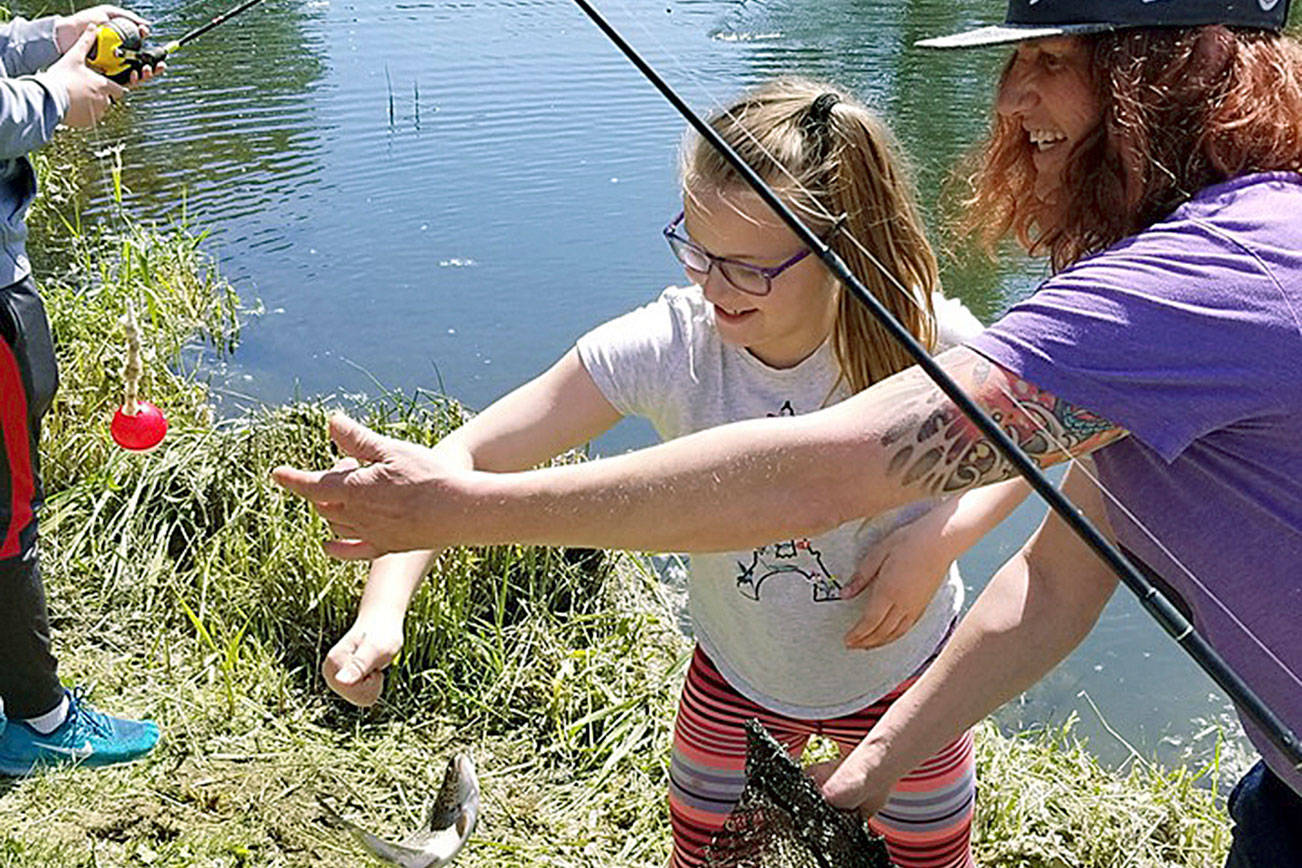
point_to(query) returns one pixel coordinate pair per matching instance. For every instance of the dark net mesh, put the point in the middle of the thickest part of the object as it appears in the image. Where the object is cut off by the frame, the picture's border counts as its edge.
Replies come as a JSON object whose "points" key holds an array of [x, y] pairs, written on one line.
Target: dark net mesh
{"points": [[783, 821]]}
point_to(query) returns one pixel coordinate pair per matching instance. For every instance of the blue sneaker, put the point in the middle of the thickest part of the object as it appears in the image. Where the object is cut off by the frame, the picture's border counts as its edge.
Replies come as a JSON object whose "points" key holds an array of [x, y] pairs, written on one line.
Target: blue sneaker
{"points": [[86, 737]]}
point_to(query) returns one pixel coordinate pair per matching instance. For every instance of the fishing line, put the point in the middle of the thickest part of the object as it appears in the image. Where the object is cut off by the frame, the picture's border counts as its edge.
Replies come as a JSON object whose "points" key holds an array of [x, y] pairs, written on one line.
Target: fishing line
{"points": [[1170, 618], [896, 284]]}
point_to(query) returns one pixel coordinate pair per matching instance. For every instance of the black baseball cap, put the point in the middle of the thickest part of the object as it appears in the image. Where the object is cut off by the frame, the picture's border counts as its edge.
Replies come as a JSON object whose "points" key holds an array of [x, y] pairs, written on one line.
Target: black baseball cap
{"points": [[1037, 19]]}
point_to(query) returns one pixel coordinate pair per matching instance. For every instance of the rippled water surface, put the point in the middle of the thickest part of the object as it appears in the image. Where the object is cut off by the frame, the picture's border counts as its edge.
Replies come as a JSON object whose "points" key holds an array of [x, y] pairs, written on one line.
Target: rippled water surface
{"points": [[446, 194]]}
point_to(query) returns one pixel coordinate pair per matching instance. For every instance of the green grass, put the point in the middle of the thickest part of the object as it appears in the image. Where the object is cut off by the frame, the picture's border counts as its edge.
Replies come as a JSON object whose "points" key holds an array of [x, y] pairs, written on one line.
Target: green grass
{"points": [[185, 586]]}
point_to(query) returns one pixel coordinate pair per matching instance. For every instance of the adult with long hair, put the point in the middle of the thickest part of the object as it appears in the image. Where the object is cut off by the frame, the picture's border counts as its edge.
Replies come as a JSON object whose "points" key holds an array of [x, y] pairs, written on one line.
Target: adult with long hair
{"points": [[1152, 151]]}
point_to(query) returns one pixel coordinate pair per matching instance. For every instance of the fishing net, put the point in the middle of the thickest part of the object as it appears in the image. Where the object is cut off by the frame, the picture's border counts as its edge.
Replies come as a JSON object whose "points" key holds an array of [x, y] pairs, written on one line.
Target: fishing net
{"points": [[783, 821]]}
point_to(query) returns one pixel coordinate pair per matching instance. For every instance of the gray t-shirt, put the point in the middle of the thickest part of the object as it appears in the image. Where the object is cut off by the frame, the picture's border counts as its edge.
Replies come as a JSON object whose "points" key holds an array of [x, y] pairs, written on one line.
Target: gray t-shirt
{"points": [[771, 618]]}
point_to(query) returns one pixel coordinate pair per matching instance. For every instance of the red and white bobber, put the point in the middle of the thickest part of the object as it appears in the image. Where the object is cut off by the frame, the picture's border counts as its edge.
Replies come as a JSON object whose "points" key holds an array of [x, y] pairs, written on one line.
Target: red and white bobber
{"points": [[140, 430], [137, 425]]}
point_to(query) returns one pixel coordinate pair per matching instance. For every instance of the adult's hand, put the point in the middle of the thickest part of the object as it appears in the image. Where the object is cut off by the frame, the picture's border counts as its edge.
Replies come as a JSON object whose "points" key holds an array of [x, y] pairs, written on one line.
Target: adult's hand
{"points": [[850, 783], [383, 500]]}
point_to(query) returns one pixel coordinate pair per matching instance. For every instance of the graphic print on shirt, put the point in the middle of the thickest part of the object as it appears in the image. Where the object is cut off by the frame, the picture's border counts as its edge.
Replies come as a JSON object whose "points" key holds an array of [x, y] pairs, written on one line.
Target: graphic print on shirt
{"points": [[795, 558]]}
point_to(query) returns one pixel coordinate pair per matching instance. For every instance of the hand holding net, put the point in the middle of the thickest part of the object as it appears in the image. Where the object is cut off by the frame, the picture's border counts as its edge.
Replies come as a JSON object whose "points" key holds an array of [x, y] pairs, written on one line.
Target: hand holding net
{"points": [[783, 821]]}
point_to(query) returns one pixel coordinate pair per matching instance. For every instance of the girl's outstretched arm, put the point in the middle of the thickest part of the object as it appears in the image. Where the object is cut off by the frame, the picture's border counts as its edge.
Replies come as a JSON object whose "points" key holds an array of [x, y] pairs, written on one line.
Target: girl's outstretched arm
{"points": [[558, 410]]}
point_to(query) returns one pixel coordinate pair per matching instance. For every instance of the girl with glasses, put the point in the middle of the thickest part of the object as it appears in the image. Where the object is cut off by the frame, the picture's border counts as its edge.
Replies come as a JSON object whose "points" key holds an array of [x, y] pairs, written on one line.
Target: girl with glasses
{"points": [[760, 329]]}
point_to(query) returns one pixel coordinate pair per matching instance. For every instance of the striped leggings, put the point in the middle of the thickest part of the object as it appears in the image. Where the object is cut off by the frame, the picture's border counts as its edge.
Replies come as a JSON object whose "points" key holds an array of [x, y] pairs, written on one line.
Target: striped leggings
{"points": [[927, 822]]}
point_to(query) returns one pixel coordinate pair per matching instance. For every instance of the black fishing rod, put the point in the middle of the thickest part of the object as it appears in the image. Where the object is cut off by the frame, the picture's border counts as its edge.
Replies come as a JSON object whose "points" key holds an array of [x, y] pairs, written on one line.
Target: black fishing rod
{"points": [[119, 49], [1150, 598]]}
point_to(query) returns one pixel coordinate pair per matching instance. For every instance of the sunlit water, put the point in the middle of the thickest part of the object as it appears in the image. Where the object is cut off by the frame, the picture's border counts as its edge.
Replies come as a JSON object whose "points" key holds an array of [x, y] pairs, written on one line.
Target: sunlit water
{"points": [[446, 194]]}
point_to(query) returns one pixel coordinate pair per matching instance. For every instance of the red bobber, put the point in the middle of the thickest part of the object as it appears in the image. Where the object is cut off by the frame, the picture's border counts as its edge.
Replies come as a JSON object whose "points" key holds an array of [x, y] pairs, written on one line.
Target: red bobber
{"points": [[139, 431]]}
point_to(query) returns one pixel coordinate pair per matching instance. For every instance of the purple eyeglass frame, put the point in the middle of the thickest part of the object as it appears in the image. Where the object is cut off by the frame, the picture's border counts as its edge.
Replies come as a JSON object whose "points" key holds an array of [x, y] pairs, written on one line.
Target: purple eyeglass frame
{"points": [[672, 236]]}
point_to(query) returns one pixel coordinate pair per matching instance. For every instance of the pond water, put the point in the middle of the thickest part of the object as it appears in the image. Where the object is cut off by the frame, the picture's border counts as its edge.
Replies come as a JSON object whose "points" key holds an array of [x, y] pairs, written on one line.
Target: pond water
{"points": [[445, 194]]}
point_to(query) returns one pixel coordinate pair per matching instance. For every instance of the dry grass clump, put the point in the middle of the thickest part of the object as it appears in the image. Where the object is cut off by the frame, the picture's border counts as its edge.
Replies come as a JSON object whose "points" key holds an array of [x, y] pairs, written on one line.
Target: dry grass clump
{"points": [[1044, 800]]}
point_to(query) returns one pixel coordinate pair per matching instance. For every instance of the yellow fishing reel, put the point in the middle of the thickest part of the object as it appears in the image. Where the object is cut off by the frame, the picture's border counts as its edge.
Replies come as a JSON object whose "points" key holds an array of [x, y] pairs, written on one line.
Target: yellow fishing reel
{"points": [[119, 51], [116, 52]]}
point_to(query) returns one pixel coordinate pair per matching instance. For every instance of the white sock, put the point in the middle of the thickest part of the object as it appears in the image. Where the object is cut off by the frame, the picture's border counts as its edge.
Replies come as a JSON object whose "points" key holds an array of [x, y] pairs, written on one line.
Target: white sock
{"points": [[51, 720]]}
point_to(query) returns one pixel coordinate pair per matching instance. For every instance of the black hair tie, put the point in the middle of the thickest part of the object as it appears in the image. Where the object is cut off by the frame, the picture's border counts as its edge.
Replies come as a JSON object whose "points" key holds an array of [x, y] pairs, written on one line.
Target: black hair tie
{"points": [[817, 119], [821, 110]]}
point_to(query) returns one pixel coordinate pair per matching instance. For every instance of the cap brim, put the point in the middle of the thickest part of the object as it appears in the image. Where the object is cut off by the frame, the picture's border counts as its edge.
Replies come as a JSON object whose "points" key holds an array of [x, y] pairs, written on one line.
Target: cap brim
{"points": [[1003, 34]]}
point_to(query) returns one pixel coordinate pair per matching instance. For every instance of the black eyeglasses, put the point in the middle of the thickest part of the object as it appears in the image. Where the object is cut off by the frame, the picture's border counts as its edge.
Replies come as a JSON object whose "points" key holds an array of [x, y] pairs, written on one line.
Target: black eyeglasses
{"points": [[745, 277]]}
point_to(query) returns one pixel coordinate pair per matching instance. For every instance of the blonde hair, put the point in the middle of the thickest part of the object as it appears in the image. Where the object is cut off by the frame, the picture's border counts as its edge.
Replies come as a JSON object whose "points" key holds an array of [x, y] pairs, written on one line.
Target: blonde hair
{"points": [[826, 155]]}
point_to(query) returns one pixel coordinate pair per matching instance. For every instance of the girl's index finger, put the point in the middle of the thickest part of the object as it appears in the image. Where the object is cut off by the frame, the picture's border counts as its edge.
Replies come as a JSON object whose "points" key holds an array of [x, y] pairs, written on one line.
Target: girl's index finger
{"points": [[857, 584]]}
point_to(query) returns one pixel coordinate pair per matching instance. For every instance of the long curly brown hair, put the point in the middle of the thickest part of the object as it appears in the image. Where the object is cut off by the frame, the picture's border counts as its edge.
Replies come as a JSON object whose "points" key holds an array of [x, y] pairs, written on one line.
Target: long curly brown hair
{"points": [[1182, 108]]}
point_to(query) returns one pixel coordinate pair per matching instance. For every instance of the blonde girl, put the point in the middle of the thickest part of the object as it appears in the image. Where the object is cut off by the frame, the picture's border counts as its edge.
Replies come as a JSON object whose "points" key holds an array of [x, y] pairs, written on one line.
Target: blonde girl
{"points": [[761, 329]]}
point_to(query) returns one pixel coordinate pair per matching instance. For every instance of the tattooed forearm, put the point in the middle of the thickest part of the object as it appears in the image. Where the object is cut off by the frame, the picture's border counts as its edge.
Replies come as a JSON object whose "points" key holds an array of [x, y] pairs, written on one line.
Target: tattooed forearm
{"points": [[936, 448]]}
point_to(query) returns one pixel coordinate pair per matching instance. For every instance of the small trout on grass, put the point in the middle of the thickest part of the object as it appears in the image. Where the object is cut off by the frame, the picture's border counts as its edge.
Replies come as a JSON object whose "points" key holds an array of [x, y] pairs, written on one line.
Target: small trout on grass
{"points": [[452, 818]]}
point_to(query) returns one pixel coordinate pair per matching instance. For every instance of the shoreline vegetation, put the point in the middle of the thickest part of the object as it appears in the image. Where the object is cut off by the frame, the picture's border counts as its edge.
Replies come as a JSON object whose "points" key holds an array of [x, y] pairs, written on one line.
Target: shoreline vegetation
{"points": [[185, 587]]}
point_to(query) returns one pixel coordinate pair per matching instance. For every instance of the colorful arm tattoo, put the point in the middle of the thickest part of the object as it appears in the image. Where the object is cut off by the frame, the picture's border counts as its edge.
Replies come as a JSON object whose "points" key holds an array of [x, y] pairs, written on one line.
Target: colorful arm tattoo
{"points": [[935, 447]]}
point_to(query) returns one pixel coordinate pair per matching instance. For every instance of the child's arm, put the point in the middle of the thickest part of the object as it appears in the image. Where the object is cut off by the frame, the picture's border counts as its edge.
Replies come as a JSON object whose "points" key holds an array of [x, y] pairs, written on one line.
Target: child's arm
{"points": [[903, 571], [32, 102], [69, 91], [558, 410], [29, 45], [354, 667]]}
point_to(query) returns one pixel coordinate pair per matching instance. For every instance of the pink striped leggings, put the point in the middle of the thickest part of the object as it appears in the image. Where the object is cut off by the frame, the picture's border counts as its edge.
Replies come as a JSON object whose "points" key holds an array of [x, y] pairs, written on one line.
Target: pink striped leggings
{"points": [[927, 821]]}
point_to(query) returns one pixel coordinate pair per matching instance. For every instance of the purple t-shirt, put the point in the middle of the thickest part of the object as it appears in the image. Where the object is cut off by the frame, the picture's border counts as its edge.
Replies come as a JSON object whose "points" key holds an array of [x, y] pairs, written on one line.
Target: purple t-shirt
{"points": [[1189, 335]]}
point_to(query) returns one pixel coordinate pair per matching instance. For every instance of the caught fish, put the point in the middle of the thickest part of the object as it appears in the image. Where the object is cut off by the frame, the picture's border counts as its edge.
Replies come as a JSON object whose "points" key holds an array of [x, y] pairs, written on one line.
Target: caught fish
{"points": [[452, 818]]}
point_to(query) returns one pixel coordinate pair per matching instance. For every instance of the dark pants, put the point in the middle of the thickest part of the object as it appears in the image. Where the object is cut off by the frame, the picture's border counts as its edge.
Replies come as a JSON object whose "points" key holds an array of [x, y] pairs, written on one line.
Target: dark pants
{"points": [[1267, 818], [29, 684]]}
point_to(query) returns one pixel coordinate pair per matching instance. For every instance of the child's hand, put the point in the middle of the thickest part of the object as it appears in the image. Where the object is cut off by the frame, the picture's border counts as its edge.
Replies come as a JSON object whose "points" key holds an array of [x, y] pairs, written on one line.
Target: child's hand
{"points": [[901, 575], [89, 93], [70, 32], [68, 27], [355, 666]]}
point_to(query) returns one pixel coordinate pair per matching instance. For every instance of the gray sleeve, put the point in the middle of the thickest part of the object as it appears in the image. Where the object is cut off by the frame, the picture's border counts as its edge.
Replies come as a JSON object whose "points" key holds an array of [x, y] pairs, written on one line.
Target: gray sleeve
{"points": [[954, 322], [27, 46], [31, 106], [632, 357]]}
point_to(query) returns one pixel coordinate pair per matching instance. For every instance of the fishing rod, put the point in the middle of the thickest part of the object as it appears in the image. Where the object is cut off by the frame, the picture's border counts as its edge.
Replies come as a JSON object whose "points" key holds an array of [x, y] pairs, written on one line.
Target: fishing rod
{"points": [[119, 49], [1162, 610]]}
